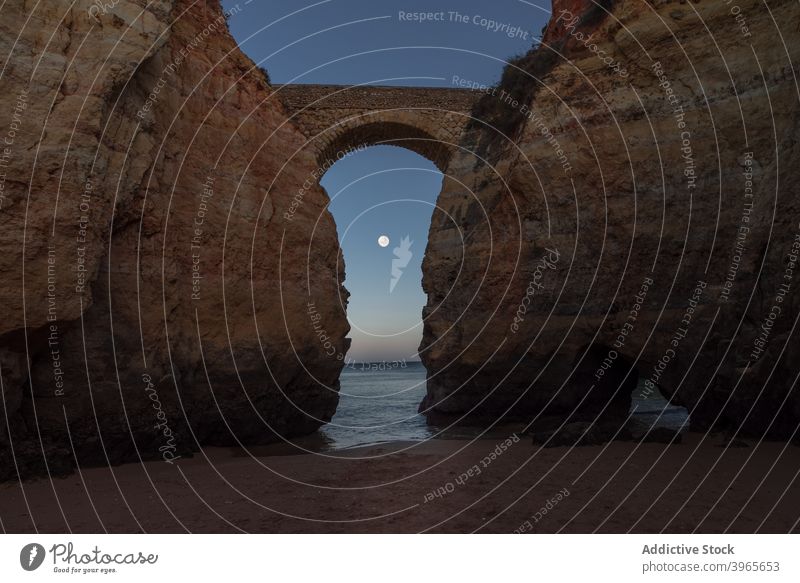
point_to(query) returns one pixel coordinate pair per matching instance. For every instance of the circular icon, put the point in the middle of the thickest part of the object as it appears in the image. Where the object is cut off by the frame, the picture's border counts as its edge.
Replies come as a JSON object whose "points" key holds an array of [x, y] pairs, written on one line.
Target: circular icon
{"points": [[383, 241], [31, 556]]}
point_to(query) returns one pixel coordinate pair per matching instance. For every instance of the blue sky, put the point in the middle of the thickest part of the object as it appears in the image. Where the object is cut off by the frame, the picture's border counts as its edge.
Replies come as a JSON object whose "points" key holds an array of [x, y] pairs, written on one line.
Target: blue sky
{"points": [[389, 191], [384, 190]]}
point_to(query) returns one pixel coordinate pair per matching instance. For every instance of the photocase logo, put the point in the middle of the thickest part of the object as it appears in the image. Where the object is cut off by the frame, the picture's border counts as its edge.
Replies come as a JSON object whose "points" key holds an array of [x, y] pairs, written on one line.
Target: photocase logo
{"points": [[99, 7], [31, 556], [402, 255]]}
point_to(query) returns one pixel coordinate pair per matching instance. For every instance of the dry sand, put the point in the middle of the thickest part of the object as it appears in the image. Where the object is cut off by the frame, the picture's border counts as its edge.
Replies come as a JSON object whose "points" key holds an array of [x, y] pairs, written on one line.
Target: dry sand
{"points": [[695, 486]]}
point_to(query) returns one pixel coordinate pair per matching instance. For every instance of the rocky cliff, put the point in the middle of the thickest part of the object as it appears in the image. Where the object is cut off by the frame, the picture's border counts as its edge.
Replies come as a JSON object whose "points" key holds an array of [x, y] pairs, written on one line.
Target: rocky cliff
{"points": [[630, 212], [626, 213], [171, 273]]}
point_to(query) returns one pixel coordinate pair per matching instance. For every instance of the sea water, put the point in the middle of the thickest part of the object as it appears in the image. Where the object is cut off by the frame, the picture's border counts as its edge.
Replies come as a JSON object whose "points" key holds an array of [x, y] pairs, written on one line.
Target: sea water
{"points": [[379, 401]]}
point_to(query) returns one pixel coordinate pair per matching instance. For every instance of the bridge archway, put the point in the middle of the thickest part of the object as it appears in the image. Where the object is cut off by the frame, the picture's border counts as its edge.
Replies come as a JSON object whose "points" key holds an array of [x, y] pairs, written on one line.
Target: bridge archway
{"points": [[338, 119], [361, 133]]}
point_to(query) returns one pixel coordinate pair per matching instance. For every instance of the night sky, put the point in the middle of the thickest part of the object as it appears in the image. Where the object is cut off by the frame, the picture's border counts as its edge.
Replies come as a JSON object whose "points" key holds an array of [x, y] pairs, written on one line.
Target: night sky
{"points": [[384, 190]]}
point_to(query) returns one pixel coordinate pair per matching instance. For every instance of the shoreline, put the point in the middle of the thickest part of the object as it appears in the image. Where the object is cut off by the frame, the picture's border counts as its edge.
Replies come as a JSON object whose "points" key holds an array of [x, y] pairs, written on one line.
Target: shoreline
{"points": [[392, 487]]}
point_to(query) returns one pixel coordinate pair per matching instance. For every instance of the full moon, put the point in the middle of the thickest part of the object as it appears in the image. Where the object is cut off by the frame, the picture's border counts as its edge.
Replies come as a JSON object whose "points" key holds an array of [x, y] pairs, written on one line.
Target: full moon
{"points": [[383, 241]]}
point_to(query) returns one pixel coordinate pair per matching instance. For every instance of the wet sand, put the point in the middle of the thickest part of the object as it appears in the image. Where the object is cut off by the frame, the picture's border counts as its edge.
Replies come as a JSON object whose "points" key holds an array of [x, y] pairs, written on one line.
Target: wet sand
{"points": [[432, 486]]}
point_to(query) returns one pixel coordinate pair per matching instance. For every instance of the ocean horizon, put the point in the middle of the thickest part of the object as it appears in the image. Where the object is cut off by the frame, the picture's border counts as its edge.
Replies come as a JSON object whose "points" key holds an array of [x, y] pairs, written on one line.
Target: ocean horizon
{"points": [[379, 401]]}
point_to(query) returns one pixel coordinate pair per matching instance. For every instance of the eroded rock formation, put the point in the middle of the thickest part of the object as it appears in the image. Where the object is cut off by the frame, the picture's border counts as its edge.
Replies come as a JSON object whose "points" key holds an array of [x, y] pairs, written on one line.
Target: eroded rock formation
{"points": [[172, 276], [169, 280], [637, 217]]}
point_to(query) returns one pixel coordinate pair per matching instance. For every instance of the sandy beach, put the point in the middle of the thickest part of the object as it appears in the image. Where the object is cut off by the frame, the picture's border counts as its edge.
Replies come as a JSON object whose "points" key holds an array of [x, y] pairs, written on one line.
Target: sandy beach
{"points": [[488, 485]]}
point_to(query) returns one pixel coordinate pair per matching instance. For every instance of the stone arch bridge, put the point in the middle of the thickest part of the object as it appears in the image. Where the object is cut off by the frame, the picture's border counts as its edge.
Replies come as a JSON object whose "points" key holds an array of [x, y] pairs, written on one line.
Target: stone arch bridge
{"points": [[335, 118]]}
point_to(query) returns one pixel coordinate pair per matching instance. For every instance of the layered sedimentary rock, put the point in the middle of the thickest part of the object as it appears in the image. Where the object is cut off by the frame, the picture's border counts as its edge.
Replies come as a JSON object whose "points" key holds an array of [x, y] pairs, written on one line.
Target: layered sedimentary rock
{"points": [[630, 212], [171, 273], [623, 208]]}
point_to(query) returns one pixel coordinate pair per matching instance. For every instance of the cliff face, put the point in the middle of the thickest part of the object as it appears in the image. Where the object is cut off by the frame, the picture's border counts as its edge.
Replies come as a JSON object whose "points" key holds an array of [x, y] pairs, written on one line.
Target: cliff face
{"points": [[638, 221], [171, 282], [172, 274]]}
